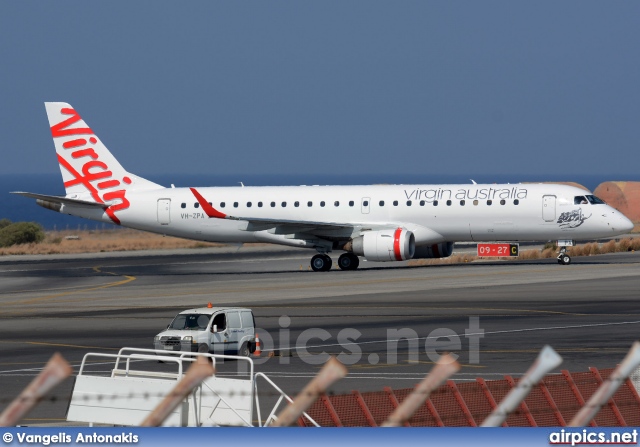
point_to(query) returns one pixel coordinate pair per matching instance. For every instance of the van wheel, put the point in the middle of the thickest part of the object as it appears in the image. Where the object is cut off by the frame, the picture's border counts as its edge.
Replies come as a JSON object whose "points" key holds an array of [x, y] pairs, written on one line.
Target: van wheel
{"points": [[244, 350], [203, 349]]}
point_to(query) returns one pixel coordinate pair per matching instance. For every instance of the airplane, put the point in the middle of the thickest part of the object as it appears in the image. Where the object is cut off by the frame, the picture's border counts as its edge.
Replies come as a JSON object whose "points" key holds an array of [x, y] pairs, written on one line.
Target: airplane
{"points": [[382, 223]]}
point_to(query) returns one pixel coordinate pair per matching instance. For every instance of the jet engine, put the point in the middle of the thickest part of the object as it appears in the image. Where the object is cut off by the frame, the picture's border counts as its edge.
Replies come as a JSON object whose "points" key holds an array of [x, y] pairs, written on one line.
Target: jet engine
{"points": [[441, 250], [384, 245]]}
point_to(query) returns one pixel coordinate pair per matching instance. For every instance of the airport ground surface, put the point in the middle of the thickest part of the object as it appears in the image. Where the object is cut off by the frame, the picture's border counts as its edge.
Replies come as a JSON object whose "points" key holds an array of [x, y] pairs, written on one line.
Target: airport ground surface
{"points": [[588, 311]]}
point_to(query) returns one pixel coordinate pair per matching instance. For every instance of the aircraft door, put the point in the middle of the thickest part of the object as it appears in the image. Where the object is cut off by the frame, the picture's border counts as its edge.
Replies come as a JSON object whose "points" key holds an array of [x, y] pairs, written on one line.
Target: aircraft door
{"points": [[549, 208], [164, 209], [366, 204]]}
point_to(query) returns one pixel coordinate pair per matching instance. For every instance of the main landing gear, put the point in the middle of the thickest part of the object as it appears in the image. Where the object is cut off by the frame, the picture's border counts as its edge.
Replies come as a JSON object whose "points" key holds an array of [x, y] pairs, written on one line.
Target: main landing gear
{"points": [[563, 257], [323, 263]]}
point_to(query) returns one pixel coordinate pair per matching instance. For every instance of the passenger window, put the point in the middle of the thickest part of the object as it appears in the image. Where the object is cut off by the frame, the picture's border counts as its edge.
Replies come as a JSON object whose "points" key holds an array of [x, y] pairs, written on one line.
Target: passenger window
{"points": [[435, 203], [322, 203], [351, 203], [579, 200], [336, 203], [247, 319], [462, 202], [365, 203], [296, 204], [196, 205], [184, 205], [408, 202], [422, 203], [248, 204], [516, 202], [448, 202], [220, 321], [489, 202], [222, 204], [234, 320], [395, 203], [273, 204], [475, 203], [284, 204], [309, 204], [259, 204], [235, 204], [502, 202], [381, 203]]}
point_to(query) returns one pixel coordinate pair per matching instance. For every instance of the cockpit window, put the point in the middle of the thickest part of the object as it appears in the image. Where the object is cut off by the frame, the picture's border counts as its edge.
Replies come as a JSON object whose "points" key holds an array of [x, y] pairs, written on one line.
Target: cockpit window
{"points": [[595, 200], [193, 322], [580, 200]]}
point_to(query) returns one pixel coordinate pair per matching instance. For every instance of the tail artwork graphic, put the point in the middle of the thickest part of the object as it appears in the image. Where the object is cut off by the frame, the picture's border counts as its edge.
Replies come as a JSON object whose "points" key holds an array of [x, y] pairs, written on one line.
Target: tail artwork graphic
{"points": [[89, 171]]}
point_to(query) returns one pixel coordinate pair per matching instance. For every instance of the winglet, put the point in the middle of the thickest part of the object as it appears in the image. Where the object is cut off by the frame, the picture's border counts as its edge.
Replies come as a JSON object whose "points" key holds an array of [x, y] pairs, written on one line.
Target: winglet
{"points": [[207, 208]]}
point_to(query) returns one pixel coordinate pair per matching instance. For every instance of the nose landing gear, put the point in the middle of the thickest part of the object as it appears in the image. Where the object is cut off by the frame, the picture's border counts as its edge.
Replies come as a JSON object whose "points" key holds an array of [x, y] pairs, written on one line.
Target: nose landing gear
{"points": [[563, 257]]}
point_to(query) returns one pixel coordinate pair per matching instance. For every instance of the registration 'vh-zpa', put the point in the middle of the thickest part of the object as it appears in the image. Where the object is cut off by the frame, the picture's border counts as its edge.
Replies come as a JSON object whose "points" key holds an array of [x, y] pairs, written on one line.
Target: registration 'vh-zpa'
{"points": [[380, 223]]}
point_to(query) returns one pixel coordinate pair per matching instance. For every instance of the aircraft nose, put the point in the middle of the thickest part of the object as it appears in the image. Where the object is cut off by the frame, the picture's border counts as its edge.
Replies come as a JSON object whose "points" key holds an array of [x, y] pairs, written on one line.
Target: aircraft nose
{"points": [[625, 224]]}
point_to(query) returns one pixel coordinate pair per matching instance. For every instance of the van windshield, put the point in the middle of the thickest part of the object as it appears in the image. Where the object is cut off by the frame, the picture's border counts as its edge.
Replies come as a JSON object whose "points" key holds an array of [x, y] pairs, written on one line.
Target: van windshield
{"points": [[191, 322]]}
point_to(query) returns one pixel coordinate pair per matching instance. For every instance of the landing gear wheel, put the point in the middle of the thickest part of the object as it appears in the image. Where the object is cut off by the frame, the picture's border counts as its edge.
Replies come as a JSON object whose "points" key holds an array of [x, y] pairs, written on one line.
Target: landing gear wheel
{"points": [[321, 263], [348, 261], [563, 257], [564, 260]]}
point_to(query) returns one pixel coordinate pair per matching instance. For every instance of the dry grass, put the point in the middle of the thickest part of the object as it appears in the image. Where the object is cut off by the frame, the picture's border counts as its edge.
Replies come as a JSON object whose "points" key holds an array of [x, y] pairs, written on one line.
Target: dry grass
{"points": [[123, 239], [119, 239], [590, 249]]}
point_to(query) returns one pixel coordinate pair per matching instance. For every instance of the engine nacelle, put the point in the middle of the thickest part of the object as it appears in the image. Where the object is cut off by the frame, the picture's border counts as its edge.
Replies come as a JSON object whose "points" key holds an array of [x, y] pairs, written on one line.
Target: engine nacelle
{"points": [[441, 250], [385, 245]]}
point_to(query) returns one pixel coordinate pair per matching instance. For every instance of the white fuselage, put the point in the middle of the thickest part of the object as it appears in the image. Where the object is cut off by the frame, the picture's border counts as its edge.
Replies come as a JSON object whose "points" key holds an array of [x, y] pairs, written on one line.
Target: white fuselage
{"points": [[434, 213]]}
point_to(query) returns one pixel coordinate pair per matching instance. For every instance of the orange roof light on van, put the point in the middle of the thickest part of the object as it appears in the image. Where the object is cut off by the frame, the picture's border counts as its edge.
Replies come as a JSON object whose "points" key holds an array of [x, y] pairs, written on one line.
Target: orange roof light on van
{"points": [[209, 305]]}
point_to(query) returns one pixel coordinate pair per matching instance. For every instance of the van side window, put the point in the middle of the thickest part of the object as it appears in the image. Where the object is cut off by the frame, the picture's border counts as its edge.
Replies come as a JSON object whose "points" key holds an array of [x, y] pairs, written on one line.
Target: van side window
{"points": [[247, 319], [234, 320], [220, 321]]}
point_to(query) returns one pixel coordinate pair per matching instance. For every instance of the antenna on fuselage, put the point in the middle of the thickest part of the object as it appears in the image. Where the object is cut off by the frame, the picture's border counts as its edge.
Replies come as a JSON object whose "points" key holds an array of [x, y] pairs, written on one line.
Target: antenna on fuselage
{"points": [[241, 184], [473, 181]]}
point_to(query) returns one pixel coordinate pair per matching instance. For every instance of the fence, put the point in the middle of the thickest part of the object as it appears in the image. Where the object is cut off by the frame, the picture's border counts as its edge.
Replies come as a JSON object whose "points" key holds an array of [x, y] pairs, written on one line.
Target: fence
{"points": [[553, 402], [194, 395]]}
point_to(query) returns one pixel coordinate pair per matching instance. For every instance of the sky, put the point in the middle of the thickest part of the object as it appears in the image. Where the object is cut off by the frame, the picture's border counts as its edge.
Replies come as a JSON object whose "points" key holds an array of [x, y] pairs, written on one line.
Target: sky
{"points": [[347, 88]]}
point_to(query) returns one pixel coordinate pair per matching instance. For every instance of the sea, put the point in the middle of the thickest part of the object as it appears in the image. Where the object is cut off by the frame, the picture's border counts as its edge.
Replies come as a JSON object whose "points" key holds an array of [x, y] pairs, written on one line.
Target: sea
{"points": [[17, 208]]}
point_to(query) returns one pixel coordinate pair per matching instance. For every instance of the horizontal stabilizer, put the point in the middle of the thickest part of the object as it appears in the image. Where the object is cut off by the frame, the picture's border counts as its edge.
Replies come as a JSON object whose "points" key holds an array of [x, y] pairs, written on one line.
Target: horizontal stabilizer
{"points": [[64, 200]]}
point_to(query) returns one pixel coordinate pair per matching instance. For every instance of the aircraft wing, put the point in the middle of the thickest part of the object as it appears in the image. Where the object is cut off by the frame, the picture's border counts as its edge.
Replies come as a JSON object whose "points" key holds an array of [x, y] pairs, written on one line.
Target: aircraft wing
{"points": [[63, 200], [283, 226], [279, 226]]}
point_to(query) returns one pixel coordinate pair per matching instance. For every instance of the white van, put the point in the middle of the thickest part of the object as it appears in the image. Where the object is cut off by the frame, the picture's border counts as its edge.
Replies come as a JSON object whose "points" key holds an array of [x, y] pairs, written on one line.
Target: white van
{"points": [[216, 330]]}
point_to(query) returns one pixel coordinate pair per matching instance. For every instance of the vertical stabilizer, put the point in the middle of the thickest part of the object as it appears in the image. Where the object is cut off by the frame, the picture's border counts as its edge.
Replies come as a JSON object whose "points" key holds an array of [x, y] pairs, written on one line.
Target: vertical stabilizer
{"points": [[89, 170]]}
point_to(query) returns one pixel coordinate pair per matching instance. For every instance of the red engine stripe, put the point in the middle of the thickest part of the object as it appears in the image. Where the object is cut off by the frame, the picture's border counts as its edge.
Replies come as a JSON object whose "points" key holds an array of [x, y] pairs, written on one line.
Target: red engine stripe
{"points": [[211, 211], [396, 244]]}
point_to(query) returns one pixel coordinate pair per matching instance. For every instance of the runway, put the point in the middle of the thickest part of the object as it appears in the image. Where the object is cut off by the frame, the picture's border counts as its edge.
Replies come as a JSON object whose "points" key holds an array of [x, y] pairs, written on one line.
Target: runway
{"points": [[588, 311]]}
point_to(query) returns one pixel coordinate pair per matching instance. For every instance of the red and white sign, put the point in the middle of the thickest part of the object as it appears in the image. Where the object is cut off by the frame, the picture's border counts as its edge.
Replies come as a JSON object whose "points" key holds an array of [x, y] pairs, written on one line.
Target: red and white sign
{"points": [[497, 250]]}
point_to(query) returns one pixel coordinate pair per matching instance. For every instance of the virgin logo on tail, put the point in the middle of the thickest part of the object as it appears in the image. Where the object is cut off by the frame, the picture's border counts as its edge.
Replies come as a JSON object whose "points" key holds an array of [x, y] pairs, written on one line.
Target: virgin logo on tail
{"points": [[95, 174]]}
